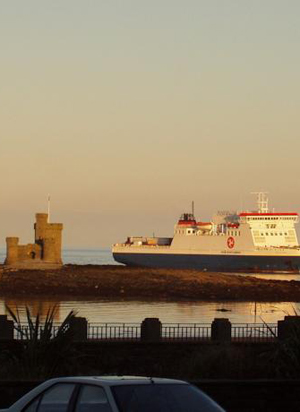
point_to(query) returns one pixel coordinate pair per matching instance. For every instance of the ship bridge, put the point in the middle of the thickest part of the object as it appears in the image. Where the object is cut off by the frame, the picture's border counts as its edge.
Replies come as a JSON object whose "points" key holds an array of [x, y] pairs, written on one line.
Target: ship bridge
{"points": [[272, 229], [187, 225]]}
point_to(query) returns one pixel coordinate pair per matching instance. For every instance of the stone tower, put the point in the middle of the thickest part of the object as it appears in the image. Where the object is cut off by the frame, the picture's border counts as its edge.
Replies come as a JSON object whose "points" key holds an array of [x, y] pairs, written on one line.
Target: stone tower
{"points": [[48, 236], [44, 252]]}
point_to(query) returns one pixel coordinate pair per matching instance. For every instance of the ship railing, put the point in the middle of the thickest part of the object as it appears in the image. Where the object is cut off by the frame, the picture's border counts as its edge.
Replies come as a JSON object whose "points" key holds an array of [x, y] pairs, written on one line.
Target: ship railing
{"points": [[254, 332], [186, 331], [114, 331]]}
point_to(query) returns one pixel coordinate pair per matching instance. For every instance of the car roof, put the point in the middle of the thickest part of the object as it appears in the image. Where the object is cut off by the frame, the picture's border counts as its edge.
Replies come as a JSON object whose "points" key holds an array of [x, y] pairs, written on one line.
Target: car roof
{"points": [[105, 381], [118, 380]]}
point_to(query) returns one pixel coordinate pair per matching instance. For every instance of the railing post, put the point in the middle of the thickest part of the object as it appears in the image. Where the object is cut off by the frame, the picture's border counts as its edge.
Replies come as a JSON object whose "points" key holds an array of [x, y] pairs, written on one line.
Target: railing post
{"points": [[221, 330], [6, 328], [151, 330], [289, 327], [78, 328]]}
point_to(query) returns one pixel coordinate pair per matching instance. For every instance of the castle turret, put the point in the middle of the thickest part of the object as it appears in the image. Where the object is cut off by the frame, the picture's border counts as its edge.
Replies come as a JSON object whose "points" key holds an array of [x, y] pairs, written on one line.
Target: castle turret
{"points": [[48, 235], [11, 250], [54, 232], [49, 254], [40, 226]]}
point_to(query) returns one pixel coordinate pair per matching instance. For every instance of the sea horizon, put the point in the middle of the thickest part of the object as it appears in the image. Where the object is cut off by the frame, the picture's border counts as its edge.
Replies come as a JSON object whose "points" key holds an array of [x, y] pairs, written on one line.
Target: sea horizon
{"points": [[80, 256]]}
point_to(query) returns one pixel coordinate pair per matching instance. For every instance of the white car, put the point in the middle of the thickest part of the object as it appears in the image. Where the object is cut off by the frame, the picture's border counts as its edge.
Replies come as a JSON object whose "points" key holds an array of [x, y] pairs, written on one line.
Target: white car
{"points": [[114, 394]]}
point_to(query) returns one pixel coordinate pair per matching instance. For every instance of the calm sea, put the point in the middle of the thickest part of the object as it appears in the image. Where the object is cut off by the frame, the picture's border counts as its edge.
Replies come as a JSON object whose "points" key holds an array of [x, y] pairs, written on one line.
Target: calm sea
{"points": [[135, 311], [81, 256]]}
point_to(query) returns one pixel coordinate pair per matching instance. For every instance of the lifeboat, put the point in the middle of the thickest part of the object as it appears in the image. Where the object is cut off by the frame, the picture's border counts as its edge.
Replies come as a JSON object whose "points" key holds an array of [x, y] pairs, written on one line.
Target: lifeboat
{"points": [[205, 226]]}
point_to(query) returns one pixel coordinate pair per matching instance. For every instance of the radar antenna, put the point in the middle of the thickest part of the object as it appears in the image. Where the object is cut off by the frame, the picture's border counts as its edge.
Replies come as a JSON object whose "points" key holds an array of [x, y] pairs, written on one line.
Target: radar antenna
{"points": [[262, 201]]}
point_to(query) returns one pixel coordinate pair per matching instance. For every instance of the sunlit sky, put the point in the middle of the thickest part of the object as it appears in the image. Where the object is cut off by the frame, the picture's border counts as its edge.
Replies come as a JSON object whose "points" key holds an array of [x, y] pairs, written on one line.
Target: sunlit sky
{"points": [[126, 111]]}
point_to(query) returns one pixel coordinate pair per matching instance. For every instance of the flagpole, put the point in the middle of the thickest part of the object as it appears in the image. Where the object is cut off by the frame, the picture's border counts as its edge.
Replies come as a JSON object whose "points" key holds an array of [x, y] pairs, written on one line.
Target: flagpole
{"points": [[48, 208]]}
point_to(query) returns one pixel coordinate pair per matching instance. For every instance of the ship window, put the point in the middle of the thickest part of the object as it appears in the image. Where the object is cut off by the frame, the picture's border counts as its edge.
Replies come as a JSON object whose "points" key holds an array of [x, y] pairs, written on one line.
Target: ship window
{"points": [[267, 234], [271, 234], [285, 234]]}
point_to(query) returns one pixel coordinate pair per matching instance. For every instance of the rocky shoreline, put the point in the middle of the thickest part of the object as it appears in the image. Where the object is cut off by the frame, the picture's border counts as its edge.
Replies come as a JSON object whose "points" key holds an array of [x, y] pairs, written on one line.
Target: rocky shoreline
{"points": [[120, 282]]}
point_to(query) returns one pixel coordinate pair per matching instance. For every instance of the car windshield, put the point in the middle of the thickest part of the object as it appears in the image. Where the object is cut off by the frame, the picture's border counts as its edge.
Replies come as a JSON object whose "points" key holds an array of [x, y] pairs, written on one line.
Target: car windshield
{"points": [[163, 398]]}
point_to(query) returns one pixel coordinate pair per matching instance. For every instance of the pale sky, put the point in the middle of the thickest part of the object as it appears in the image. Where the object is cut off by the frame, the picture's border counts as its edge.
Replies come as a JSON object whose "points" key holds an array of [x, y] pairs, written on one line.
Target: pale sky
{"points": [[126, 111]]}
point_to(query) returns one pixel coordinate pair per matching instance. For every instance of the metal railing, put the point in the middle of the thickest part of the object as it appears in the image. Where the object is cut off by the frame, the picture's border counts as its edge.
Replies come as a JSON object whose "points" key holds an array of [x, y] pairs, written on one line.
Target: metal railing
{"points": [[114, 331], [253, 332], [240, 332], [186, 331], [24, 333]]}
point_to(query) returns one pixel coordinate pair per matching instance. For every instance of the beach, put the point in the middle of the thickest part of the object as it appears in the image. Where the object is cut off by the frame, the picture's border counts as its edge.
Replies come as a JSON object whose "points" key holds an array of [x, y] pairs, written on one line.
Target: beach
{"points": [[121, 282]]}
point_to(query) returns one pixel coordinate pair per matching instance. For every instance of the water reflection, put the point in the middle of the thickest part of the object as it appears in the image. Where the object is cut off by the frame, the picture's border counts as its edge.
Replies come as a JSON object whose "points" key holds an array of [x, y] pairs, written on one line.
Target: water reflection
{"points": [[268, 276], [35, 306], [167, 312]]}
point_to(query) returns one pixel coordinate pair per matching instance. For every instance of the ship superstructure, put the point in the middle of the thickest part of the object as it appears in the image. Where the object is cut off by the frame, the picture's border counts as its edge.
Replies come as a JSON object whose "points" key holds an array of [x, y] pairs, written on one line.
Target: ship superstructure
{"points": [[245, 241]]}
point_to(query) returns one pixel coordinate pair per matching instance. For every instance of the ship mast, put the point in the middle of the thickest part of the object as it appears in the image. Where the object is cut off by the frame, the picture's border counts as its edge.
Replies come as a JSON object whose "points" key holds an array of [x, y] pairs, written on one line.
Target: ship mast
{"points": [[262, 201]]}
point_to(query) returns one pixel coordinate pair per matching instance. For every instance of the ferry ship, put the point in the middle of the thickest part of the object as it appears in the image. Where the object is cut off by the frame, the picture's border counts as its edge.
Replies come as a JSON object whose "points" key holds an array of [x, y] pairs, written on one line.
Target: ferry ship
{"points": [[257, 241]]}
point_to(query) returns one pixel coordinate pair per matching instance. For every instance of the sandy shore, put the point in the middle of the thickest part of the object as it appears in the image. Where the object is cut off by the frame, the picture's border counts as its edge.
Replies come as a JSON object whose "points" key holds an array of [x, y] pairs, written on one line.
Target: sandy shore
{"points": [[132, 283]]}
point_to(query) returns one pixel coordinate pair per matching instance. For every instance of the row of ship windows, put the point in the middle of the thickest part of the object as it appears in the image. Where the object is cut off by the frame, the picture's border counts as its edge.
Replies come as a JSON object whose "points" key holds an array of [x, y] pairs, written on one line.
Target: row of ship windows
{"points": [[229, 232], [233, 233], [236, 233], [271, 218], [273, 234], [182, 232]]}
